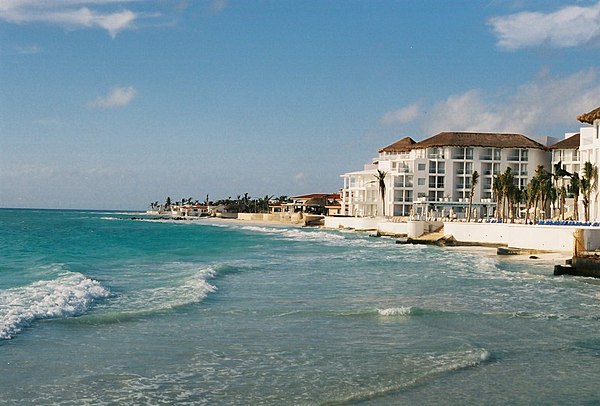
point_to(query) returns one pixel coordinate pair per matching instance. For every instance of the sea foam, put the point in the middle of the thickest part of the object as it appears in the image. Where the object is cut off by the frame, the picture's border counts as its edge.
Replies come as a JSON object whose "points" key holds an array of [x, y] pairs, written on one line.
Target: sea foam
{"points": [[71, 294], [395, 311]]}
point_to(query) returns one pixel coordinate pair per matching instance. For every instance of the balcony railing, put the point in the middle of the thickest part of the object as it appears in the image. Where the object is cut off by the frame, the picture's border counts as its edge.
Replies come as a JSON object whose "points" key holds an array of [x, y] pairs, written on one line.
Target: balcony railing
{"points": [[468, 157]]}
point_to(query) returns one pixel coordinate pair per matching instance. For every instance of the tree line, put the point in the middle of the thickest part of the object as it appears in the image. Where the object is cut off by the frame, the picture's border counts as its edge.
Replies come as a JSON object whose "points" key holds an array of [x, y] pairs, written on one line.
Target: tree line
{"points": [[543, 190], [241, 204]]}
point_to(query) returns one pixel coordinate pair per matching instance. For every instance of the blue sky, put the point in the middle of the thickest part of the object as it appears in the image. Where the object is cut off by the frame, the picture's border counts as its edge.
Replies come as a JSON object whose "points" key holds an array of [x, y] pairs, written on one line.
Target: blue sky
{"points": [[113, 104]]}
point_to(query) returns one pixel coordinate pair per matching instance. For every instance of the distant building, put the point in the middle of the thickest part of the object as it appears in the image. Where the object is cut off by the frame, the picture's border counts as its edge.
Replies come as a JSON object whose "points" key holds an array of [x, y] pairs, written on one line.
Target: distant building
{"points": [[315, 203]]}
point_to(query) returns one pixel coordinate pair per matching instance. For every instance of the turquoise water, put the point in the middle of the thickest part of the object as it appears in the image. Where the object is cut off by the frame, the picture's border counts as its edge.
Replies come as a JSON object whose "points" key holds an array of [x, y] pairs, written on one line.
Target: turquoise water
{"points": [[97, 308]]}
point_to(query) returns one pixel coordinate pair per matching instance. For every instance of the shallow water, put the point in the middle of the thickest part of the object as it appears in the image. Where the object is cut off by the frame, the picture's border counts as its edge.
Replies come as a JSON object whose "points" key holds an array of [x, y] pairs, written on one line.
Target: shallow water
{"points": [[98, 308]]}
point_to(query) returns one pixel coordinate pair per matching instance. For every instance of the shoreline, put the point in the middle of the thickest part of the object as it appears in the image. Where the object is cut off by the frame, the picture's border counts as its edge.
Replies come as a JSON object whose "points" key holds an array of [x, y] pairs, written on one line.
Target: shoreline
{"points": [[490, 250]]}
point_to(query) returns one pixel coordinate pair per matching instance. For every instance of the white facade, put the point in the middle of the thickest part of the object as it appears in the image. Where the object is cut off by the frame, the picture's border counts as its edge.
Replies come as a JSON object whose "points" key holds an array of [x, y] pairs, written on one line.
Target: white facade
{"points": [[589, 150], [569, 158], [436, 179]]}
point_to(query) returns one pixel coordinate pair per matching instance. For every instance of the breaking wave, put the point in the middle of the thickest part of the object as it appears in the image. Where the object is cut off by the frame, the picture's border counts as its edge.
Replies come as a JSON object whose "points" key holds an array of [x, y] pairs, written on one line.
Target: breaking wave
{"points": [[71, 294], [188, 290]]}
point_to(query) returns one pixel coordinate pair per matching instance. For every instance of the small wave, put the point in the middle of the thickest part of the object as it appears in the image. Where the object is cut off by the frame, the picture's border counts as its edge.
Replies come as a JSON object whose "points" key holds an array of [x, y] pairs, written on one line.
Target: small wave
{"points": [[439, 364], [395, 311], [71, 294], [190, 288]]}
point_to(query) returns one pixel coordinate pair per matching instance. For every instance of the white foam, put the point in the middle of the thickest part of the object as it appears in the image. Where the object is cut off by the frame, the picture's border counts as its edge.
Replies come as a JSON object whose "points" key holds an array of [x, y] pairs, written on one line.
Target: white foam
{"points": [[395, 311], [71, 294]]}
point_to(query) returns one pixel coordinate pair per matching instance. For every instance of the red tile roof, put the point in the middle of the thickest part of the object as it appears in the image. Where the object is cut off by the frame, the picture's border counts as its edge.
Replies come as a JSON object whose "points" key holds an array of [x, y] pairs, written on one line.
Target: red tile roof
{"points": [[569, 143], [403, 145], [590, 116], [317, 196], [472, 139]]}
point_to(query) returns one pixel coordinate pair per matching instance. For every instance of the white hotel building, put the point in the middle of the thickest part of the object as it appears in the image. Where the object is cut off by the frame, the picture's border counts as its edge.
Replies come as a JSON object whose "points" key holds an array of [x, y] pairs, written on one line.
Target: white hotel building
{"points": [[434, 175]]}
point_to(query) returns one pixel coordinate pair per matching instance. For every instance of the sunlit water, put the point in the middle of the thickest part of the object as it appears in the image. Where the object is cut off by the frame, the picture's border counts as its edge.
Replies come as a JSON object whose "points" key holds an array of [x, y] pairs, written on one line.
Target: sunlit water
{"points": [[98, 308]]}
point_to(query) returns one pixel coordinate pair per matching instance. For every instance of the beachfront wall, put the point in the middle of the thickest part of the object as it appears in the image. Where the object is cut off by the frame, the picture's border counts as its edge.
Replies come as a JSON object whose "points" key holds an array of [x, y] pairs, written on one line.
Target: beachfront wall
{"points": [[539, 237], [355, 223], [295, 218]]}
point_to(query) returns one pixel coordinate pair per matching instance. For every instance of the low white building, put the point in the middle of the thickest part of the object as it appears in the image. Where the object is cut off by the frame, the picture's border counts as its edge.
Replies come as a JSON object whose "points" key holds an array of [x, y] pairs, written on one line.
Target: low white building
{"points": [[434, 175]]}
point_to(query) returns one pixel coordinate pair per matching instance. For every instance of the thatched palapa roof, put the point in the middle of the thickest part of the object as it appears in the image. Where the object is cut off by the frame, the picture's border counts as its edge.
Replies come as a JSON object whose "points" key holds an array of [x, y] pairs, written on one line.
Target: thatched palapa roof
{"points": [[568, 143], [404, 145], [473, 139], [590, 117]]}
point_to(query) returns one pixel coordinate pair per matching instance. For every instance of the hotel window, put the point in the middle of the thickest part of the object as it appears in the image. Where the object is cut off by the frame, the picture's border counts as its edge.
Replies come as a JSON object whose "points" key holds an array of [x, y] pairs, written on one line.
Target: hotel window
{"points": [[524, 154], [514, 155], [469, 153], [421, 167], [497, 154], [432, 167], [421, 181], [486, 154], [557, 155], [436, 153]]}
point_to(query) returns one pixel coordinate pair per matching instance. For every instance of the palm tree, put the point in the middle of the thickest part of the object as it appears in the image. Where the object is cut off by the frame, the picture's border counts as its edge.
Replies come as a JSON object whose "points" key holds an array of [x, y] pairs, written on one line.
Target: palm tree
{"points": [[381, 182], [559, 175], [474, 180], [588, 184], [508, 185], [573, 189], [497, 191]]}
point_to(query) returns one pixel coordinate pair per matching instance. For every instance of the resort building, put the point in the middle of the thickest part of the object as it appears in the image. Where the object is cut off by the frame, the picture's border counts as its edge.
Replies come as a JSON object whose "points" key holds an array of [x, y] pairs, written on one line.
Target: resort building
{"points": [[589, 150], [433, 177]]}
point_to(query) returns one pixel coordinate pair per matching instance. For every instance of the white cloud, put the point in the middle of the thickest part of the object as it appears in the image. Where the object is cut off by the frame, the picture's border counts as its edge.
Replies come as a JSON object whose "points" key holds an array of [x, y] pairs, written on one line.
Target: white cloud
{"points": [[299, 178], [216, 6], [534, 106], [401, 116], [568, 27], [28, 49], [68, 14], [117, 97]]}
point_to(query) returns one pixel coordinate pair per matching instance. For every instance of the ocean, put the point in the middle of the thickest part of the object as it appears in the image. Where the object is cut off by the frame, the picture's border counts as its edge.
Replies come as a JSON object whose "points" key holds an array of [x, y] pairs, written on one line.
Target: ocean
{"points": [[99, 308]]}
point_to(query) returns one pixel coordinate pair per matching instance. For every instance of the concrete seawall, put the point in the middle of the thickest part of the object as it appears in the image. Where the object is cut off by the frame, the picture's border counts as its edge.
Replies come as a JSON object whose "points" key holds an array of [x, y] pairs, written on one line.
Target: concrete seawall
{"points": [[535, 237]]}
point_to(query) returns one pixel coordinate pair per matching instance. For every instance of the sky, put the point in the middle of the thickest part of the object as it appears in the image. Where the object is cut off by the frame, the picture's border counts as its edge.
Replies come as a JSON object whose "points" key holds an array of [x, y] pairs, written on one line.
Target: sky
{"points": [[113, 104]]}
